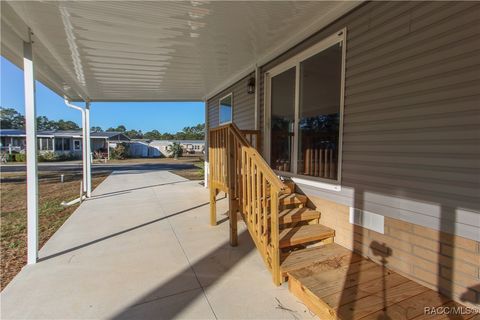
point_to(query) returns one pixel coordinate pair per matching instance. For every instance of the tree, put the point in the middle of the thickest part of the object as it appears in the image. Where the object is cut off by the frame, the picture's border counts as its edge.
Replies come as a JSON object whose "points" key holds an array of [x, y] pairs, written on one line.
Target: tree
{"points": [[66, 125], [192, 133], [44, 124], [120, 128], [134, 134], [153, 135], [175, 150], [11, 119], [96, 129]]}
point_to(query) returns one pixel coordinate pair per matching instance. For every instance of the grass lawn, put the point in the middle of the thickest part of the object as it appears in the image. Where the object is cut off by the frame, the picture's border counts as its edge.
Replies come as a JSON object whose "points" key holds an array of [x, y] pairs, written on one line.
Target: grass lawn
{"points": [[13, 208]]}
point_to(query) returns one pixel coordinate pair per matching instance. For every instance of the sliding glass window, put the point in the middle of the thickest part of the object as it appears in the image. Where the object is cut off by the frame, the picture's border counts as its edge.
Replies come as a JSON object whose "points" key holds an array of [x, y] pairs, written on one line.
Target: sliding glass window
{"points": [[319, 113], [305, 96]]}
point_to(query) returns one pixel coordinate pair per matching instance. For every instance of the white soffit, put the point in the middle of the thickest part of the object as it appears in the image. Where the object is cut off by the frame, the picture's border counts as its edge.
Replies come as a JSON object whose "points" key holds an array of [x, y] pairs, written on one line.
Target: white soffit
{"points": [[155, 51]]}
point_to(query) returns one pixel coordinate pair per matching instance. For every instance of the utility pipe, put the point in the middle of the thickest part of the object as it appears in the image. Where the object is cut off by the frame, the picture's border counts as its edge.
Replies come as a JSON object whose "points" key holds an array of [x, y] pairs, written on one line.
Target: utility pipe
{"points": [[84, 143]]}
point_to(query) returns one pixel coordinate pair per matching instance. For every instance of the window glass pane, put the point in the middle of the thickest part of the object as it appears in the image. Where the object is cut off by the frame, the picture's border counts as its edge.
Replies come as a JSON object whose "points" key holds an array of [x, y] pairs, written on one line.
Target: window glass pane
{"points": [[67, 144], [226, 109], [58, 144], [319, 114], [282, 117], [50, 143]]}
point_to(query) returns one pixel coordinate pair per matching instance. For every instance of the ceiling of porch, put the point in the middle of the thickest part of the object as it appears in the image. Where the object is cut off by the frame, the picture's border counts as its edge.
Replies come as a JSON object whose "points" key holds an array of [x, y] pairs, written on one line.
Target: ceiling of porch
{"points": [[155, 51]]}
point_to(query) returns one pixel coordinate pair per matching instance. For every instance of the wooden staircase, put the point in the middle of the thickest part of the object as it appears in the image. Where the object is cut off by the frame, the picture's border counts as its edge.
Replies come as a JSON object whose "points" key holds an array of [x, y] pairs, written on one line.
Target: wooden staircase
{"points": [[276, 215]]}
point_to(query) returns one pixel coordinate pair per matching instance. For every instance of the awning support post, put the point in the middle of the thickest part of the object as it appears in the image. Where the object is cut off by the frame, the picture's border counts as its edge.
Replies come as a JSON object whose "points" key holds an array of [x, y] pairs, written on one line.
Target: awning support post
{"points": [[31, 149], [89, 149]]}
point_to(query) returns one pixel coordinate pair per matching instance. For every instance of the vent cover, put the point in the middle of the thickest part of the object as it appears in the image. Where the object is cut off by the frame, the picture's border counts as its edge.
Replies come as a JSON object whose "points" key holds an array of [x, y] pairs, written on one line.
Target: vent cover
{"points": [[368, 220]]}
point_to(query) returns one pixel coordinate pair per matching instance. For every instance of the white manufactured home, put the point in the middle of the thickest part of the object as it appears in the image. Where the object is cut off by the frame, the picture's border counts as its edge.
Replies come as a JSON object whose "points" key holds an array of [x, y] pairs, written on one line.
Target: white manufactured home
{"points": [[345, 135]]}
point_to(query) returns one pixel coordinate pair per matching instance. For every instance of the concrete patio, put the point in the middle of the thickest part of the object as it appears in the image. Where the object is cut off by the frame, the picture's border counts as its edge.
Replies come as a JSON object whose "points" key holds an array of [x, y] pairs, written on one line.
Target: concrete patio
{"points": [[142, 248]]}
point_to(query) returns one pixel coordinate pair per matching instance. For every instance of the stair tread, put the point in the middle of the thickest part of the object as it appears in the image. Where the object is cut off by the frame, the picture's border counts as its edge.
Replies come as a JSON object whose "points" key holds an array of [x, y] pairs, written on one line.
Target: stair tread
{"points": [[297, 214], [316, 256], [303, 234], [292, 198]]}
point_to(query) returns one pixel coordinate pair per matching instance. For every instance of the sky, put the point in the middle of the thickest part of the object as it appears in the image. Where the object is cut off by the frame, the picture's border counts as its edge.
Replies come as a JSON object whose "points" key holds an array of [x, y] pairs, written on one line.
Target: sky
{"points": [[146, 116]]}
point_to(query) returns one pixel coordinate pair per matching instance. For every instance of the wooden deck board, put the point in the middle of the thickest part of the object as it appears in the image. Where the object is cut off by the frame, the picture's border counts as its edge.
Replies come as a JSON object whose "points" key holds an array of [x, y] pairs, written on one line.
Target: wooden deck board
{"points": [[375, 302], [412, 307], [357, 289]]}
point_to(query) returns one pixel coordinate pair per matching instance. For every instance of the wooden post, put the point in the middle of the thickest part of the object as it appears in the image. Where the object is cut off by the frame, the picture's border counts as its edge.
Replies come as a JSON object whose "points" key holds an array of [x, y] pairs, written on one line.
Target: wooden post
{"points": [[232, 199], [213, 205], [277, 279]]}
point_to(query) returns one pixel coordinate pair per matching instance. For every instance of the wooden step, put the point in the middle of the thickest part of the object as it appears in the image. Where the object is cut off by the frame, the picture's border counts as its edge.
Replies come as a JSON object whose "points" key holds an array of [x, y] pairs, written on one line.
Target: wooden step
{"points": [[330, 255], [290, 186], [304, 234], [297, 215], [293, 198]]}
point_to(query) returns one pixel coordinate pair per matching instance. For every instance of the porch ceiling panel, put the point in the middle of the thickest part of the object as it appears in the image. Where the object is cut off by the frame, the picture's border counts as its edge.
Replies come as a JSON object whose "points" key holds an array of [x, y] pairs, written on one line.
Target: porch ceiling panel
{"points": [[155, 51]]}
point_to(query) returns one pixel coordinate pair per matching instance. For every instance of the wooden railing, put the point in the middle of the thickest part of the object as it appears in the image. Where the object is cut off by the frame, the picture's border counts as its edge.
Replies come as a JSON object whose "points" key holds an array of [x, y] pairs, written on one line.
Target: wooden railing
{"points": [[253, 189]]}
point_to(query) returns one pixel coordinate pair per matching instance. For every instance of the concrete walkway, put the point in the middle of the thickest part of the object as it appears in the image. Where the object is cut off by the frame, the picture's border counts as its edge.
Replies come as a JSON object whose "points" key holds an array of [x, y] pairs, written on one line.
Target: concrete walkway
{"points": [[142, 248]]}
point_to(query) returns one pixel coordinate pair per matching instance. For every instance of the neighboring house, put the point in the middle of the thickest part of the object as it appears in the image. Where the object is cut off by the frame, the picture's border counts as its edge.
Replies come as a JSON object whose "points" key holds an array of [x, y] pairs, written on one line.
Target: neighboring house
{"points": [[188, 146], [59, 141]]}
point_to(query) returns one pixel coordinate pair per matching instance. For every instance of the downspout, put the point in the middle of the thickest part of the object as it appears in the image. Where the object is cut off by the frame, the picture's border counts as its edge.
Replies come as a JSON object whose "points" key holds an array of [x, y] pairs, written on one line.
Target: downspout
{"points": [[84, 143]]}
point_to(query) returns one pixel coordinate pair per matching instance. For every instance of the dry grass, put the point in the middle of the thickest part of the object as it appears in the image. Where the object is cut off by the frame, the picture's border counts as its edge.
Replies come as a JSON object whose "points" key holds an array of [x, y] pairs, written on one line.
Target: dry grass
{"points": [[13, 228], [196, 173]]}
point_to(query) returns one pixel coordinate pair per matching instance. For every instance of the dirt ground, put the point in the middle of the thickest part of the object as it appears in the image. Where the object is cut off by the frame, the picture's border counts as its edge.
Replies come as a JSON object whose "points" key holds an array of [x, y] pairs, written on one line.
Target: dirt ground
{"points": [[13, 218]]}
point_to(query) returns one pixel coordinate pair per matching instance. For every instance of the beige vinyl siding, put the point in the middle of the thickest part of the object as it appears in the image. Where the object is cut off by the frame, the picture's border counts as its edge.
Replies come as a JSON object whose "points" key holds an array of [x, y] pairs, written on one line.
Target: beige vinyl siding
{"points": [[411, 142], [243, 105]]}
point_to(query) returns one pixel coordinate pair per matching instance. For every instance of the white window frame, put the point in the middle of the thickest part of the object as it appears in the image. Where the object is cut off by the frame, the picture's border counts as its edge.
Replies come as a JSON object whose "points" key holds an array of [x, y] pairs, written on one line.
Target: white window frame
{"points": [[294, 62], [79, 145], [219, 108]]}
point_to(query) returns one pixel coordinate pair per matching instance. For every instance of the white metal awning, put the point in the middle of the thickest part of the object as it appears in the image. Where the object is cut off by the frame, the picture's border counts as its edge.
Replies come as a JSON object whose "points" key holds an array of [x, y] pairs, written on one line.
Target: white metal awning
{"points": [[155, 51]]}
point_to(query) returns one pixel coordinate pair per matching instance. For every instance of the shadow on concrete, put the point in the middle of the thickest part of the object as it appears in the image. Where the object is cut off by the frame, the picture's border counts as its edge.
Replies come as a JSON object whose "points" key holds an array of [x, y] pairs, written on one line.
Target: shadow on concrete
{"points": [[158, 304], [120, 232]]}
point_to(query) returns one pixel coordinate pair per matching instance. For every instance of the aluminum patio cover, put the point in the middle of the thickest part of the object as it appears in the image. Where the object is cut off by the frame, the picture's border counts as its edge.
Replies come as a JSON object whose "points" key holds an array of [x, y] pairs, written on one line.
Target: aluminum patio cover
{"points": [[154, 51]]}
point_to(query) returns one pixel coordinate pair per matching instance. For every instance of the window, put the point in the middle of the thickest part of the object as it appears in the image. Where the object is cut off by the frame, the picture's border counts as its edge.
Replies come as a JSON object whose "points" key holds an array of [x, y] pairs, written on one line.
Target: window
{"points": [[226, 109], [67, 144], [319, 113], [76, 145], [63, 144], [305, 97], [58, 144], [44, 144]]}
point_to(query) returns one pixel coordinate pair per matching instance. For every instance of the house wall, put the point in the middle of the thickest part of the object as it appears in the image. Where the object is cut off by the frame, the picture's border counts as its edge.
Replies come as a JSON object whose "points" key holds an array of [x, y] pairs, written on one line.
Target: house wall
{"points": [[411, 123], [243, 105], [411, 138]]}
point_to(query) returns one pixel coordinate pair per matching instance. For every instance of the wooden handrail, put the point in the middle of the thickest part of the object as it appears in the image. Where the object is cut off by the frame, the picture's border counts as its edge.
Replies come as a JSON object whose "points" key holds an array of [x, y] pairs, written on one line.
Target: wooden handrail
{"points": [[238, 169]]}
